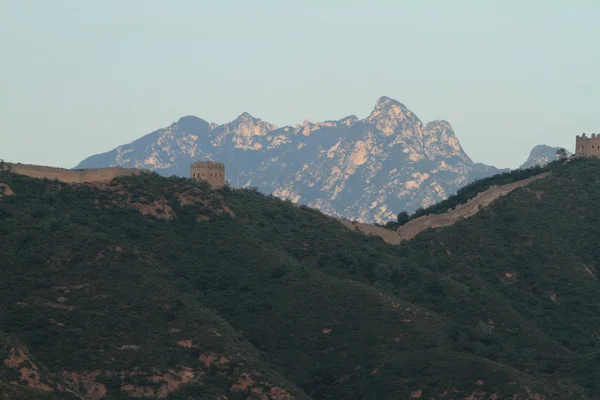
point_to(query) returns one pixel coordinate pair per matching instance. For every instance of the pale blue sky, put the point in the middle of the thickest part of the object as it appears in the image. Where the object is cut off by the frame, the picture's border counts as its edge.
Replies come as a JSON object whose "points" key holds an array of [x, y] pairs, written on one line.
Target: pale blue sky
{"points": [[81, 77]]}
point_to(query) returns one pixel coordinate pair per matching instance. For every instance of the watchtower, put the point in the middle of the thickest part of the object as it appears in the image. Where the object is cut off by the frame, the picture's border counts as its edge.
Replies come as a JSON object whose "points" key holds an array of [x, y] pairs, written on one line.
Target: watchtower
{"points": [[588, 146], [210, 171]]}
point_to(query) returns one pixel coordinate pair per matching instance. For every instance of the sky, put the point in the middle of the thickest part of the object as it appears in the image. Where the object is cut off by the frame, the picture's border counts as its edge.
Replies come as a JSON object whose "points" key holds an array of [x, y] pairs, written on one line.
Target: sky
{"points": [[81, 77]]}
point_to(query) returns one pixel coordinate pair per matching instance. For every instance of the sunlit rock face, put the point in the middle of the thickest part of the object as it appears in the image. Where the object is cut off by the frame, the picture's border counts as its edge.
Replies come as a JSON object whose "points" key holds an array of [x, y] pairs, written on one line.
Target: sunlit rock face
{"points": [[362, 169]]}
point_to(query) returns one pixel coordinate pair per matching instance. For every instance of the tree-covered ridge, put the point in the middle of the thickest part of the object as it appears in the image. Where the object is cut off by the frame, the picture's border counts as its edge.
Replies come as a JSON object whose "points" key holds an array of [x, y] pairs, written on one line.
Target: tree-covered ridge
{"points": [[232, 293]]}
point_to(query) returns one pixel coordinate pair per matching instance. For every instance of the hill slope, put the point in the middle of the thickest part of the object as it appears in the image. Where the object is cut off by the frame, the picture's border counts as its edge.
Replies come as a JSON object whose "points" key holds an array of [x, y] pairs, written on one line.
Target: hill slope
{"points": [[361, 169], [158, 286]]}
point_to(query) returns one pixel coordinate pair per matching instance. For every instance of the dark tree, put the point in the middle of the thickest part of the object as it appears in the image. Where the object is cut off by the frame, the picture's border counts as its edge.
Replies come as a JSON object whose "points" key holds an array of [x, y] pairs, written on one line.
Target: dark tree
{"points": [[403, 217]]}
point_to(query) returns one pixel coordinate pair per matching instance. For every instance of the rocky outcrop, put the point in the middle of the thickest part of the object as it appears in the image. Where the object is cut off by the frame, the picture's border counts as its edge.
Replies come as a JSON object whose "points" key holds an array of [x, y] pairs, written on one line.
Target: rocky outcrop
{"points": [[19, 369], [5, 190]]}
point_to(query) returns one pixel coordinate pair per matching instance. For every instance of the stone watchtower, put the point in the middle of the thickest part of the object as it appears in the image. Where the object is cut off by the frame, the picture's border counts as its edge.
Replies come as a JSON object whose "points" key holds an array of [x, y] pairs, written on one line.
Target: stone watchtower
{"points": [[588, 146], [210, 171]]}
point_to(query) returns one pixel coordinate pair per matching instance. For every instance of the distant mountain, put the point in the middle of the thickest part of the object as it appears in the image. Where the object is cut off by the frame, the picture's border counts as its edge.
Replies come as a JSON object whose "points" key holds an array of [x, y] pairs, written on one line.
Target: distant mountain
{"points": [[362, 169], [541, 155]]}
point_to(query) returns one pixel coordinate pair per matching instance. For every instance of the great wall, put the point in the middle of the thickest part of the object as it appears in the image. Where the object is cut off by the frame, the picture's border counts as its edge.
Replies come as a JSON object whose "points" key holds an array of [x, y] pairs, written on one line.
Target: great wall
{"points": [[71, 175], [209, 171], [460, 212]]}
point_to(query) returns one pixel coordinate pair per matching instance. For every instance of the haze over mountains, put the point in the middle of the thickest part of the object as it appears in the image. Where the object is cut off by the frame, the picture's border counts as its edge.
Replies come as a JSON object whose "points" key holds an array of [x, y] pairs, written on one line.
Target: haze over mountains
{"points": [[362, 169]]}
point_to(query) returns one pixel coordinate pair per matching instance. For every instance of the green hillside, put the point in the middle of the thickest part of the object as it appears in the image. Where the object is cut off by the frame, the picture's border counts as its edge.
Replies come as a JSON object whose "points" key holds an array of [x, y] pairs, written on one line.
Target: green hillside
{"points": [[161, 287]]}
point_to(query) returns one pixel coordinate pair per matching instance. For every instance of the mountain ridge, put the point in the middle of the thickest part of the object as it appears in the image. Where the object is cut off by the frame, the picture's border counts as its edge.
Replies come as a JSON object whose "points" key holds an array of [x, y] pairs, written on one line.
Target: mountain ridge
{"points": [[365, 169]]}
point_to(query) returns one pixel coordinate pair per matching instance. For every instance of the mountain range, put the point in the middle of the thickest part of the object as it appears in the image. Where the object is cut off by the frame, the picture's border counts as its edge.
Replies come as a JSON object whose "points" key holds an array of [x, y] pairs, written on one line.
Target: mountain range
{"points": [[361, 169]]}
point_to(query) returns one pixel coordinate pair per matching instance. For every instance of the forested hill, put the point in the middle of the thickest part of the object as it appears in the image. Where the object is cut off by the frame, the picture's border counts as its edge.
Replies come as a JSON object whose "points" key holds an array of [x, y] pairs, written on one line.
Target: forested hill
{"points": [[159, 287]]}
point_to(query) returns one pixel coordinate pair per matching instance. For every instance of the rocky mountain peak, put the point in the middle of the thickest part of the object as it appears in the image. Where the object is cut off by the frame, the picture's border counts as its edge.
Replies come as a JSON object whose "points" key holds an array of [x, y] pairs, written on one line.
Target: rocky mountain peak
{"points": [[384, 101], [390, 106], [247, 125], [390, 115], [246, 116]]}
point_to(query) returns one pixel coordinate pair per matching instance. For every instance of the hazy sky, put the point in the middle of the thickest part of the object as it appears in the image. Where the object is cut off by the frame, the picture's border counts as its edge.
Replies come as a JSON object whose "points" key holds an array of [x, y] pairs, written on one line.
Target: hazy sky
{"points": [[81, 77]]}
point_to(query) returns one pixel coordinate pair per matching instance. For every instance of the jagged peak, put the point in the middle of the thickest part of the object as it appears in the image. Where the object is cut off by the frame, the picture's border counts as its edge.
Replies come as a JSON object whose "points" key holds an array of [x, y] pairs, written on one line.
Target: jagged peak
{"points": [[248, 125], [387, 102], [389, 114], [246, 116], [388, 108]]}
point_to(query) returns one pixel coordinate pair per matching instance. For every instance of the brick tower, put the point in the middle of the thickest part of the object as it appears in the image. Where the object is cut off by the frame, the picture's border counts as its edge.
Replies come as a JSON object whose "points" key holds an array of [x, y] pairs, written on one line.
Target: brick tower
{"points": [[586, 146], [210, 171]]}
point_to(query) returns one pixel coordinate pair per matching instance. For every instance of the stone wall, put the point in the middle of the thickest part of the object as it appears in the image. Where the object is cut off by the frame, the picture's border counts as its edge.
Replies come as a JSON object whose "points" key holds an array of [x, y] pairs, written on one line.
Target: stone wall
{"points": [[72, 176], [462, 211], [387, 235], [210, 171]]}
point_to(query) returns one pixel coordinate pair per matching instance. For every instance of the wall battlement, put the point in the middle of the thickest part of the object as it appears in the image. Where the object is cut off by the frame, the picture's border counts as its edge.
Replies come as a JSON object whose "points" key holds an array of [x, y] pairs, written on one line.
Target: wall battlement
{"points": [[587, 146], [212, 172], [71, 175]]}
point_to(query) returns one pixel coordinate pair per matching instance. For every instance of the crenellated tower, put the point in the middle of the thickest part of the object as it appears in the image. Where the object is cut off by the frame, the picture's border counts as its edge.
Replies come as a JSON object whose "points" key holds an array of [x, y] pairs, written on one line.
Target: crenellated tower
{"points": [[587, 146], [212, 172]]}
